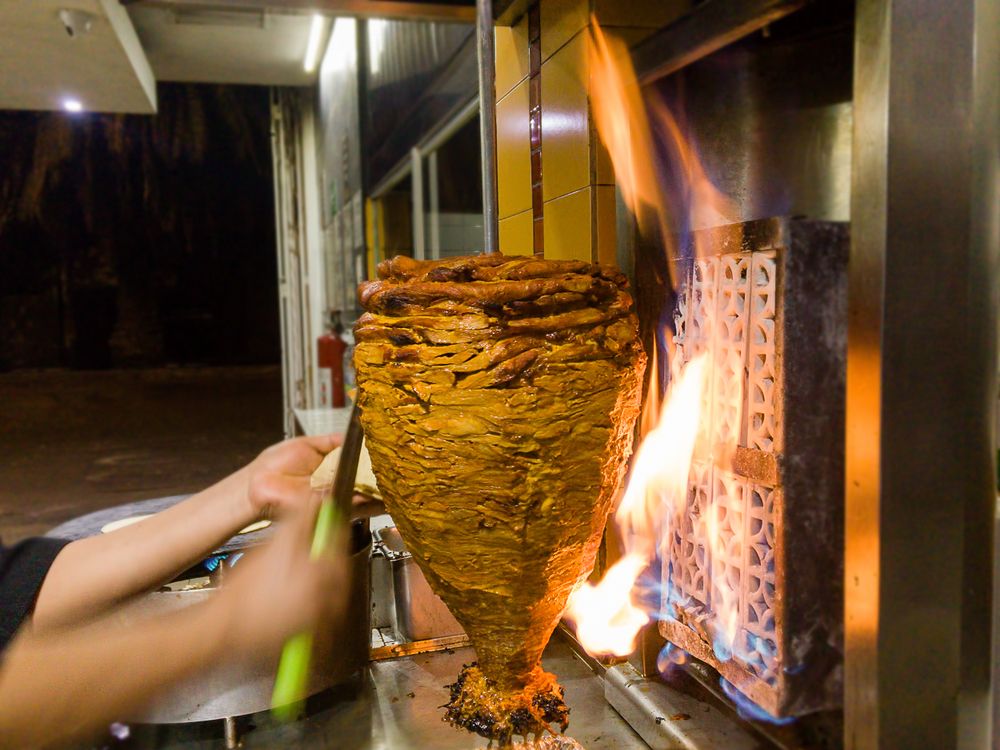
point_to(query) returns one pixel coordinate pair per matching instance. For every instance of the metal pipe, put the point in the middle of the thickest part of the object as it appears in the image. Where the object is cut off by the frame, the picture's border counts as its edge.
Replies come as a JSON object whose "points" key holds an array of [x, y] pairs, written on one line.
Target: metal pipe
{"points": [[921, 376], [417, 194], [488, 122], [231, 732], [434, 213]]}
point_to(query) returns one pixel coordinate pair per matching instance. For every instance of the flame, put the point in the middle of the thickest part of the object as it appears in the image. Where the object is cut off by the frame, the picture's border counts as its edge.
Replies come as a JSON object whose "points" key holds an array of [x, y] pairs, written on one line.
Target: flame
{"points": [[626, 120], [607, 621], [665, 184], [606, 616], [620, 116], [662, 464]]}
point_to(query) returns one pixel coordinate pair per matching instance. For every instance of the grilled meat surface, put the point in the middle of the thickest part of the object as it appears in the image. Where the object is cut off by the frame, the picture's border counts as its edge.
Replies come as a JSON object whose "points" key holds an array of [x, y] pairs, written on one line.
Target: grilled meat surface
{"points": [[498, 398]]}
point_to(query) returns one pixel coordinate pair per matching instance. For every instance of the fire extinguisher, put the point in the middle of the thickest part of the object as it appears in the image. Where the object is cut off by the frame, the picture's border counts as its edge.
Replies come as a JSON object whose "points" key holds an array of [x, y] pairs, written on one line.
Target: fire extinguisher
{"points": [[330, 357]]}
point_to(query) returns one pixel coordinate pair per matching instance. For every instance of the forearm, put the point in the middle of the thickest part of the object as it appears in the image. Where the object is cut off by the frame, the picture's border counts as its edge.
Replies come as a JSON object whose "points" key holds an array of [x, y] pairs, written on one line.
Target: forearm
{"points": [[92, 574], [66, 685]]}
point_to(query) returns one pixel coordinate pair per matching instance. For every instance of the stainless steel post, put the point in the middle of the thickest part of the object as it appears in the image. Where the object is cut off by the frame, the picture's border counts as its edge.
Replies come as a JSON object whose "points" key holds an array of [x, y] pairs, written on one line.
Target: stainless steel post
{"points": [[921, 375], [488, 122], [232, 734], [417, 195]]}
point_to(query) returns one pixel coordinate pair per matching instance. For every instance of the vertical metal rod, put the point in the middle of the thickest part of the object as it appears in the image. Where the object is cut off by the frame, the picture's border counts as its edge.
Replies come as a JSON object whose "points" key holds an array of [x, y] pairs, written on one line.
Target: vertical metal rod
{"points": [[417, 193], [435, 203], [232, 734], [488, 122], [921, 376]]}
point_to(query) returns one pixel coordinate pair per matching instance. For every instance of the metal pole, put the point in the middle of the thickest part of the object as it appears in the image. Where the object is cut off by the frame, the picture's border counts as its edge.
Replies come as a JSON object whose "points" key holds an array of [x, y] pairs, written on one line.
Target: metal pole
{"points": [[435, 204], [488, 122], [921, 376], [417, 193]]}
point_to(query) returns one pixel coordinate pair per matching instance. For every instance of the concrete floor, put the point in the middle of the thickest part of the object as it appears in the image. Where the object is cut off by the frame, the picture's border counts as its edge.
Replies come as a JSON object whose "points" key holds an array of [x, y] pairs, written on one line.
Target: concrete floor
{"points": [[75, 441]]}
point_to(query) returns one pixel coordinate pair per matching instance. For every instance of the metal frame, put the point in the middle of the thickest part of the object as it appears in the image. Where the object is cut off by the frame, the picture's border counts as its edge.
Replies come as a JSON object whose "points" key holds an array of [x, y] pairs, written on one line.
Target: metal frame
{"points": [[434, 207], [417, 196], [430, 143], [488, 122], [921, 380], [413, 167]]}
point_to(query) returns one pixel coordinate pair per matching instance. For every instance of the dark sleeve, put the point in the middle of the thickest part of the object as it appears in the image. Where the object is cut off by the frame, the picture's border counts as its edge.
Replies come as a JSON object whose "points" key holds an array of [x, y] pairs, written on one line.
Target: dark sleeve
{"points": [[23, 568]]}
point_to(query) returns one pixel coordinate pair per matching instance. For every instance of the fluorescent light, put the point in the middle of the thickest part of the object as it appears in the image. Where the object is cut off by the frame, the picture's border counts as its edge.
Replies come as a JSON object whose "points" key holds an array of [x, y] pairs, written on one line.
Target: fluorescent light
{"points": [[312, 48], [72, 105]]}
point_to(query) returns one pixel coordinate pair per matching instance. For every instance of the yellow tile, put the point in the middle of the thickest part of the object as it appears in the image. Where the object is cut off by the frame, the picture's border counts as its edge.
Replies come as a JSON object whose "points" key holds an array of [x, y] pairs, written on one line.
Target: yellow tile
{"points": [[568, 227], [515, 234], [603, 168], [604, 224], [560, 20], [565, 121], [511, 55], [652, 14], [513, 152]]}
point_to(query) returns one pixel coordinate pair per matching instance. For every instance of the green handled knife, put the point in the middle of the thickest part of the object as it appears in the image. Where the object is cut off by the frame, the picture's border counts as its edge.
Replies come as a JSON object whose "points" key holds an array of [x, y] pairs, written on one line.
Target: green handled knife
{"points": [[292, 679]]}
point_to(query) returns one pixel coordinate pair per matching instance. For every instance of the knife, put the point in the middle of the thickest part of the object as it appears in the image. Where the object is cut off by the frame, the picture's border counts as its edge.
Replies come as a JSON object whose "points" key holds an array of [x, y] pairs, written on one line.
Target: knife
{"points": [[292, 679]]}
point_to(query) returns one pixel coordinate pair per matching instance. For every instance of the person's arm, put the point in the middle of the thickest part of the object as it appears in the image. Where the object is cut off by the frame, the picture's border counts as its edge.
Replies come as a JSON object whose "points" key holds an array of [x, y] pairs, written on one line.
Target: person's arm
{"points": [[90, 575], [64, 685], [67, 684]]}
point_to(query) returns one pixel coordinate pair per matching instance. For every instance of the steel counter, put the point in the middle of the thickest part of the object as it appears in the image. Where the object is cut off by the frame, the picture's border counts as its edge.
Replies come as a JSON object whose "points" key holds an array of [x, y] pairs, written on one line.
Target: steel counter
{"points": [[400, 708]]}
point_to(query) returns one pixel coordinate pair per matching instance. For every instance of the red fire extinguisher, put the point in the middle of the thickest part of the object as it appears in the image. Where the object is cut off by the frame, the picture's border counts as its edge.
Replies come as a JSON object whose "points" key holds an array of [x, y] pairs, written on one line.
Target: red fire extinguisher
{"points": [[330, 357]]}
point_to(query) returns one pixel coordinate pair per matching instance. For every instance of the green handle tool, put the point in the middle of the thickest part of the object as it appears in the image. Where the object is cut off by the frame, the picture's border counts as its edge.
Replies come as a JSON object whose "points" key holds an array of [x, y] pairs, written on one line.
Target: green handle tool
{"points": [[292, 679]]}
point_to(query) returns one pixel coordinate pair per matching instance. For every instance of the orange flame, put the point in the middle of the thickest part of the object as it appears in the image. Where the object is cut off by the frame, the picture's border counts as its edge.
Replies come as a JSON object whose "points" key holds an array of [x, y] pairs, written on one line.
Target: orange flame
{"points": [[606, 616], [607, 620], [625, 120], [620, 116]]}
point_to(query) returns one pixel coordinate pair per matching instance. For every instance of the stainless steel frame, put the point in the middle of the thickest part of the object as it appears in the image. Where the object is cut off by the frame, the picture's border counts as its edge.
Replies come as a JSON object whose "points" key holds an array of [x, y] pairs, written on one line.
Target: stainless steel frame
{"points": [[921, 381], [417, 195]]}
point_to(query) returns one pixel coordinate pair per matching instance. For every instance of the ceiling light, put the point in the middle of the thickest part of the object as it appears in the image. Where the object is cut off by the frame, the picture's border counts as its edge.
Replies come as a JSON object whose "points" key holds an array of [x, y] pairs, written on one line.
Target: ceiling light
{"points": [[312, 48], [72, 105]]}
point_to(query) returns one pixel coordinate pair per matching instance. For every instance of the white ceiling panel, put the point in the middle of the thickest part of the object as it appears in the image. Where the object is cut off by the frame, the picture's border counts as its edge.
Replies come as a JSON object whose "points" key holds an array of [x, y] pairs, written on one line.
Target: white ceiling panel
{"points": [[42, 66], [224, 46]]}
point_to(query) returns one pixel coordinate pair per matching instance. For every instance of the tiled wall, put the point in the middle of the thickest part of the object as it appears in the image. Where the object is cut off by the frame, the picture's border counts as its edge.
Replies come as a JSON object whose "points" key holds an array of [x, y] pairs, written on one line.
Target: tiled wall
{"points": [[555, 184]]}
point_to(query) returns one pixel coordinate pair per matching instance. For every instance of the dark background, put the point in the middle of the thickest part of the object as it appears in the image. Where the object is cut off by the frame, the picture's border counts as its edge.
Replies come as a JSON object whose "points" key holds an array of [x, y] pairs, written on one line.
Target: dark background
{"points": [[130, 240]]}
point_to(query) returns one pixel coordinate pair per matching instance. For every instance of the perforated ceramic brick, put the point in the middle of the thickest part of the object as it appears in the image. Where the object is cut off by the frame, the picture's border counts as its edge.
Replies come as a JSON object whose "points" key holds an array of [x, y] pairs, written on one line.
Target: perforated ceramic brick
{"points": [[754, 558]]}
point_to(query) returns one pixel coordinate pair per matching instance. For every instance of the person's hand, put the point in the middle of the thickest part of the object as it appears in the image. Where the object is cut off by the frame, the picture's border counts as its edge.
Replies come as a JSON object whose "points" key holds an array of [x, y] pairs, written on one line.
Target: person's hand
{"points": [[278, 479], [277, 591]]}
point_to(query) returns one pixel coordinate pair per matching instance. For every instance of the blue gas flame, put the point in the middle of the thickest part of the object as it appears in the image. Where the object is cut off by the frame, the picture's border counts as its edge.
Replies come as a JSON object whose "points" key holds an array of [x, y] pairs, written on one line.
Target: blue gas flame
{"points": [[749, 710]]}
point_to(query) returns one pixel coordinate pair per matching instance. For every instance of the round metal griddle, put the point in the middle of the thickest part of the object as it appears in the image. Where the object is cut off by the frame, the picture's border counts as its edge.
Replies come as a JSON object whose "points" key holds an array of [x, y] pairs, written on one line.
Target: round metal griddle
{"points": [[92, 523]]}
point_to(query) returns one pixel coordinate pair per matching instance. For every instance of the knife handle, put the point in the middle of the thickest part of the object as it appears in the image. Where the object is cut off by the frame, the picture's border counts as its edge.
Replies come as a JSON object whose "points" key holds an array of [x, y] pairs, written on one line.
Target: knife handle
{"points": [[292, 679]]}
